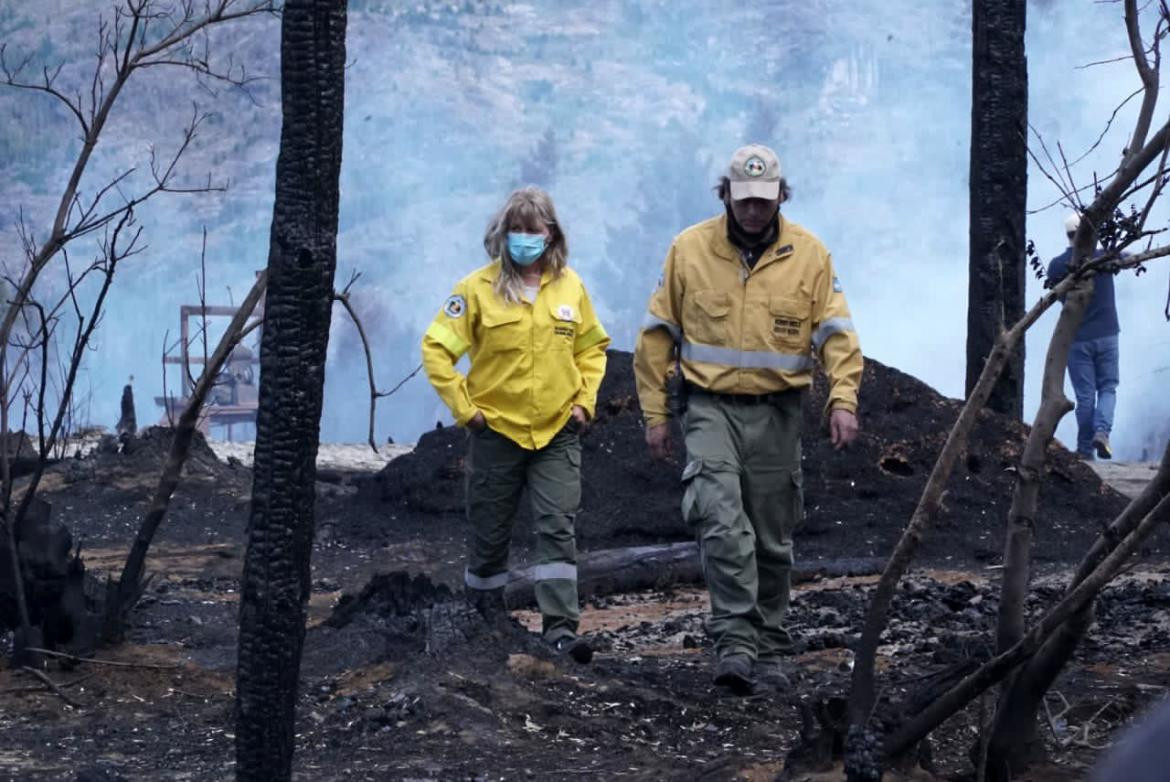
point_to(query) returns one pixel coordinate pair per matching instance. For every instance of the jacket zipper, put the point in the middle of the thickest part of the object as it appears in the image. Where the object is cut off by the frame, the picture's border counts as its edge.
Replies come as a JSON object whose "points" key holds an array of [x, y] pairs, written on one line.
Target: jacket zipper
{"points": [[745, 274]]}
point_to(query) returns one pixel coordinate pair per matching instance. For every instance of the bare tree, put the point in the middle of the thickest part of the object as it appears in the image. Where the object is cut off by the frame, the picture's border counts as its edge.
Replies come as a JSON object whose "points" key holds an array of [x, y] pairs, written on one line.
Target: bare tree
{"points": [[1044, 649], [143, 34], [301, 265], [140, 35]]}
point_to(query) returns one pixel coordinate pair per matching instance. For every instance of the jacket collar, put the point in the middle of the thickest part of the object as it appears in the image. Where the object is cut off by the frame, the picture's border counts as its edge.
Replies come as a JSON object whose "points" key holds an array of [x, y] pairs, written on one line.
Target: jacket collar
{"points": [[490, 272], [778, 250]]}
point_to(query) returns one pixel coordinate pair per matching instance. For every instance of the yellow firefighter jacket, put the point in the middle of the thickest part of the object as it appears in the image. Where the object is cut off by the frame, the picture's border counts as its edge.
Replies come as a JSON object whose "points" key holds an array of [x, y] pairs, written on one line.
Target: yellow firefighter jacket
{"points": [[530, 362], [737, 330]]}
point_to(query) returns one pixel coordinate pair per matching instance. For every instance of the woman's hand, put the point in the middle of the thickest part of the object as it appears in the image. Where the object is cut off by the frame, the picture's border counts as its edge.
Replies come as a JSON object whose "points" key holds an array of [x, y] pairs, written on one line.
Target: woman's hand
{"points": [[477, 423]]}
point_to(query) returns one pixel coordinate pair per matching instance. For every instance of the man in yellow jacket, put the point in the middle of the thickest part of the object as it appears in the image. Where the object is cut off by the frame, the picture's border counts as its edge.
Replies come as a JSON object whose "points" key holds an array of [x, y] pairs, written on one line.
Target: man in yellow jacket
{"points": [[746, 302], [537, 355]]}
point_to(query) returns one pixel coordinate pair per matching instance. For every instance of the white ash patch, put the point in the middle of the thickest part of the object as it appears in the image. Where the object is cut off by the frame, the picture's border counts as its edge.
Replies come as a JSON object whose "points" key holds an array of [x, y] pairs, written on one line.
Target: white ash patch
{"points": [[350, 457]]}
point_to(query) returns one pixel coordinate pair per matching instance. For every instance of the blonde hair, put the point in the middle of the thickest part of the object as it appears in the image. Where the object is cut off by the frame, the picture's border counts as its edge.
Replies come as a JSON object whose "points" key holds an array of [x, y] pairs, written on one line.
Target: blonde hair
{"points": [[527, 206]]}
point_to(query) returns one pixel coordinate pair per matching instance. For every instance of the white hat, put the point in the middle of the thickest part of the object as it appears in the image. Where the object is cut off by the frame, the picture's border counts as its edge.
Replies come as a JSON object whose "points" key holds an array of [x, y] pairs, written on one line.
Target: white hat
{"points": [[1072, 222], [754, 173]]}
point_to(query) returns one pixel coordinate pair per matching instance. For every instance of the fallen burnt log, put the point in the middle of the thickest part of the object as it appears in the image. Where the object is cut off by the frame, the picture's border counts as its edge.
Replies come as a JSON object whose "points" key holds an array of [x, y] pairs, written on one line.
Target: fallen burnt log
{"points": [[614, 571]]}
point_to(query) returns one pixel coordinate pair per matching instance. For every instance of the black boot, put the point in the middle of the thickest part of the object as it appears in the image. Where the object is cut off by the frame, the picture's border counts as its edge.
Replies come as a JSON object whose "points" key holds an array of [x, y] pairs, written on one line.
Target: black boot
{"points": [[491, 606]]}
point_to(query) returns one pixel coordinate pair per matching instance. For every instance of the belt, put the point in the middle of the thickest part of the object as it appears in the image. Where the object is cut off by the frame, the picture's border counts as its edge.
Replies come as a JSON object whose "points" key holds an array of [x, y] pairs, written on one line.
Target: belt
{"points": [[771, 398]]}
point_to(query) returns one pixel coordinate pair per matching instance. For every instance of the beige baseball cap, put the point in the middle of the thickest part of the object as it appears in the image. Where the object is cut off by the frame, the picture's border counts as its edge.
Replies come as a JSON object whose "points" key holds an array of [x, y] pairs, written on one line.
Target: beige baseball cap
{"points": [[754, 173]]}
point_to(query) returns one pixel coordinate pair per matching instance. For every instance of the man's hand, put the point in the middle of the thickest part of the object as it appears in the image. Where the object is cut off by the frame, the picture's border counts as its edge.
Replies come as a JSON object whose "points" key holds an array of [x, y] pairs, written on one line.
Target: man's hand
{"points": [[842, 428], [477, 423], [659, 441], [581, 417]]}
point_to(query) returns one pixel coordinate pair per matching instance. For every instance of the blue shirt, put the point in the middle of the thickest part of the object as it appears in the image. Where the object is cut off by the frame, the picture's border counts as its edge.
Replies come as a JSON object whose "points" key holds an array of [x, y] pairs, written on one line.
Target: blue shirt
{"points": [[1101, 314]]}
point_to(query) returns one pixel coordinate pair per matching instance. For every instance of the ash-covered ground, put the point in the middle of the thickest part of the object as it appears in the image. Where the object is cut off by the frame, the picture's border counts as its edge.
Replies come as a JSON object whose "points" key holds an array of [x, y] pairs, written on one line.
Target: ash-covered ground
{"points": [[400, 682]]}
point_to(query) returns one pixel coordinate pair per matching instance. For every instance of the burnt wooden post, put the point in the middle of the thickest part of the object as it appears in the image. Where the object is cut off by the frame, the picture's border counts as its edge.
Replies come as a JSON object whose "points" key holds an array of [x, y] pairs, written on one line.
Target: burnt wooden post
{"points": [[301, 263], [998, 187]]}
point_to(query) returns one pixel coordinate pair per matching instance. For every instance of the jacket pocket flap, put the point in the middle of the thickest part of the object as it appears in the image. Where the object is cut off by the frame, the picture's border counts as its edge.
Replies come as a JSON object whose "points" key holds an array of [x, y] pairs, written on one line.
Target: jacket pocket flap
{"points": [[716, 304], [500, 316], [795, 309], [565, 313]]}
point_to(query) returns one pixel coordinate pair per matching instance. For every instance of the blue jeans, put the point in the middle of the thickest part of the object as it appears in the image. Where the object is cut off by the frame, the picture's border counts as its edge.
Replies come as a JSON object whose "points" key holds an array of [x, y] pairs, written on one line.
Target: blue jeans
{"points": [[1093, 368]]}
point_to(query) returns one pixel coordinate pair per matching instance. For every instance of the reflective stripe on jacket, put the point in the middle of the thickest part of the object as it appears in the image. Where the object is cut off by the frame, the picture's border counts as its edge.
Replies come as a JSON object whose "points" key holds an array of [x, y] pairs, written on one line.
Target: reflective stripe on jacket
{"points": [[530, 363], [742, 331]]}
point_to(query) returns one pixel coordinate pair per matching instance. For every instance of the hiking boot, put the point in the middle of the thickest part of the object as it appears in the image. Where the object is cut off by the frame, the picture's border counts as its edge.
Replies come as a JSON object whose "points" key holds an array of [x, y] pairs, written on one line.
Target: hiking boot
{"points": [[490, 605], [735, 673], [575, 646], [769, 672], [1101, 445]]}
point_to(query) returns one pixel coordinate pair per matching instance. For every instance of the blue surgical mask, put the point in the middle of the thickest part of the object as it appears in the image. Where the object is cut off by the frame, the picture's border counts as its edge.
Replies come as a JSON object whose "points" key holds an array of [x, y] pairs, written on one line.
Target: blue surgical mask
{"points": [[525, 248]]}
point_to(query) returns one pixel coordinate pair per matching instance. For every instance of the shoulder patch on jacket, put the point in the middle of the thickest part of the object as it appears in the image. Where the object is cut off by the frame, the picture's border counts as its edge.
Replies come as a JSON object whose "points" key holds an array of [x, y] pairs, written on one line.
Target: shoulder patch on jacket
{"points": [[455, 306]]}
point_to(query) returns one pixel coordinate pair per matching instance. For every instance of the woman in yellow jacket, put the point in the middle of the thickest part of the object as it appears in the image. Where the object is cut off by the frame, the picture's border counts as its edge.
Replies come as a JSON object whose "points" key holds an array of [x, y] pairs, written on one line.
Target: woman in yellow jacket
{"points": [[537, 356]]}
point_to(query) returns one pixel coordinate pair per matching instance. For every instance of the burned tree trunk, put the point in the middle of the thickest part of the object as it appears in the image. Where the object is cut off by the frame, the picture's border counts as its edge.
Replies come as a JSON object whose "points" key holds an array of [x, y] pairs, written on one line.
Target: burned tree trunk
{"points": [[128, 422], [301, 263], [998, 187]]}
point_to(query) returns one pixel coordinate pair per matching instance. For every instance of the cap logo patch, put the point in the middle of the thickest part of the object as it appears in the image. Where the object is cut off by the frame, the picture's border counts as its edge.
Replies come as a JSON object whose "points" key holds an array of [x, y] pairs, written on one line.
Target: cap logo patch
{"points": [[755, 166], [454, 307]]}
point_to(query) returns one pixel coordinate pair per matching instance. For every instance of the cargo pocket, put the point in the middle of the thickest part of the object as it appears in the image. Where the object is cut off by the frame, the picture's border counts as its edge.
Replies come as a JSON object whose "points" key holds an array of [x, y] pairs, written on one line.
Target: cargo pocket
{"points": [[791, 324], [705, 317], [503, 329], [573, 454], [693, 468], [797, 478]]}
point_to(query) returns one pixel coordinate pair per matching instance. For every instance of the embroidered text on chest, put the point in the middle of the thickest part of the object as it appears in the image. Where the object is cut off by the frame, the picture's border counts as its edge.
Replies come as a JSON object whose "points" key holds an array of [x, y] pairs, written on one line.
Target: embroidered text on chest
{"points": [[786, 327]]}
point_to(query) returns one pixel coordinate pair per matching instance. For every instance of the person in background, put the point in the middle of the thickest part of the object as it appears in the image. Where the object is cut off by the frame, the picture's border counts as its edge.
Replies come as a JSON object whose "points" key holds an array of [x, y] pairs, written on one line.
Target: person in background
{"points": [[744, 302], [1093, 359], [537, 354]]}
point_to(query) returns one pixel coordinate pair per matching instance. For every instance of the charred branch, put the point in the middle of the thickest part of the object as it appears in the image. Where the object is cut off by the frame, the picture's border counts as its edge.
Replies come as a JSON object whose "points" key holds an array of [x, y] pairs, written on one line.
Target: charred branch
{"points": [[863, 692], [130, 583], [1021, 701], [1002, 664]]}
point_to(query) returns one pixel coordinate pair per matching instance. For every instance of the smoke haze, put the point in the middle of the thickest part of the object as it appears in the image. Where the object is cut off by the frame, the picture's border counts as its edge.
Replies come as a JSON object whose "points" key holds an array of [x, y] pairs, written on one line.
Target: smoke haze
{"points": [[626, 111]]}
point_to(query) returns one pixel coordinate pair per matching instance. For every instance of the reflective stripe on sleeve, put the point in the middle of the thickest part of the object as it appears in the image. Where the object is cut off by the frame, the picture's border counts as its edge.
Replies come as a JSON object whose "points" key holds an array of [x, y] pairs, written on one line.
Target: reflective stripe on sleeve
{"points": [[745, 359], [828, 328], [489, 582], [448, 339], [654, 322], [590, 338], [552, 570]]}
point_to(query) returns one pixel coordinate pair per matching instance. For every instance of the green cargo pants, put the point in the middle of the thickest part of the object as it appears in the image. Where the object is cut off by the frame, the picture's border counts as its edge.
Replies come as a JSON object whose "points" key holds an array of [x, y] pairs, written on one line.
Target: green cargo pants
{"points": [[498, 470], [743, 496]]}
